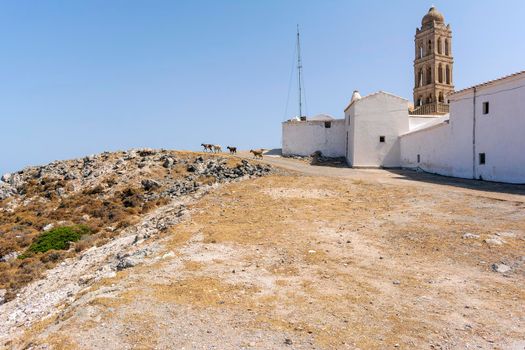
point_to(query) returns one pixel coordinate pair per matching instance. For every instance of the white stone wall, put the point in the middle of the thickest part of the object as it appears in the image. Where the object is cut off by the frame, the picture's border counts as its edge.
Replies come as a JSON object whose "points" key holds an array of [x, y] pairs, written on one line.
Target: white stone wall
{"points": [[500, 134], [350, 129], [303, 138], [441, 148], [417, 121], [451, 149], [379, 114]]}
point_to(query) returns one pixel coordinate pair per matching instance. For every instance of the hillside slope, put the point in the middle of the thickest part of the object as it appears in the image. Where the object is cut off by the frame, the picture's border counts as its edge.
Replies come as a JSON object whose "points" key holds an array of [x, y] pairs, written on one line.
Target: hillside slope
{"points": [[92, 200]]}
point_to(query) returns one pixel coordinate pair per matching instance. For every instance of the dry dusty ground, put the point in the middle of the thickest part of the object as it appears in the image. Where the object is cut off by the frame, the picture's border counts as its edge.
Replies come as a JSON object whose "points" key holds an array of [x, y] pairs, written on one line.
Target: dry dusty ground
{"points": [[325, 259]]}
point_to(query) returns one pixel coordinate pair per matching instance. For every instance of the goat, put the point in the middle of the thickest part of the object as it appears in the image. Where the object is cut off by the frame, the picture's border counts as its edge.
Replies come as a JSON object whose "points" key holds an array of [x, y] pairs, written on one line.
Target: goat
{"points": [[233, 150], [206, 146], [257, 154], [217, 148]]}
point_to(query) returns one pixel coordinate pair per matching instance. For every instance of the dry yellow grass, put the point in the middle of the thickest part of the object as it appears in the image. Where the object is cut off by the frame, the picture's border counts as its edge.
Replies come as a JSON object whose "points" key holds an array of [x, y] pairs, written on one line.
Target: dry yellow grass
{"points": [[372, 266]]}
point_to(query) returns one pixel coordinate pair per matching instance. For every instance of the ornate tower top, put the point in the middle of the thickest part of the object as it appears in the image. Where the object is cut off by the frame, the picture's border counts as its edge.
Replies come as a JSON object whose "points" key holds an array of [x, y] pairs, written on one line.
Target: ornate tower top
{"points": [[432, 16], [432, 64]]}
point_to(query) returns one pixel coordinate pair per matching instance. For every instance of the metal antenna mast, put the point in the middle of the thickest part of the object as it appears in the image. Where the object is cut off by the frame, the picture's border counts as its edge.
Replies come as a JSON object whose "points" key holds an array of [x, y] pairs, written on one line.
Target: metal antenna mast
{"points": [[299, 68]]}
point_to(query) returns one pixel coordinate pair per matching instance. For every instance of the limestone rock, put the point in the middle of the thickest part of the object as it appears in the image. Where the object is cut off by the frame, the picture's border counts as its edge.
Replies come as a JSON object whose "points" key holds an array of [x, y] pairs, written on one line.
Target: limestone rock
{"points": [[6, 191], [125, 263], [494, 240], [149, 184], [2, 296], [9, 257], [168, 162], [501, 268]]}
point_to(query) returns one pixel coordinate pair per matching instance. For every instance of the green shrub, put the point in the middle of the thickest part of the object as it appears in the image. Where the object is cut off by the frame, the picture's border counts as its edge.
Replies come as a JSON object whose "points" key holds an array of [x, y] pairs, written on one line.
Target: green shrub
{"points": [[58, 238]]}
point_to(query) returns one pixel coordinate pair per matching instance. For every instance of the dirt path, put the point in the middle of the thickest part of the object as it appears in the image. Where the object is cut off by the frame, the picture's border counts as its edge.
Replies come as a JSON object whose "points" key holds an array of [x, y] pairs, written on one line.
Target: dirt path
{"points": [[403, 178], [326, 258]]}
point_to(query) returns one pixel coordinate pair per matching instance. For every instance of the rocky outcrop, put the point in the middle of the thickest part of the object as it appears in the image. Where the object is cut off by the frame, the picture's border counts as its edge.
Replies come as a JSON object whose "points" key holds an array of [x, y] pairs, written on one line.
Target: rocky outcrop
{"points": [[62, 178], [125, 197], [6, 191]]}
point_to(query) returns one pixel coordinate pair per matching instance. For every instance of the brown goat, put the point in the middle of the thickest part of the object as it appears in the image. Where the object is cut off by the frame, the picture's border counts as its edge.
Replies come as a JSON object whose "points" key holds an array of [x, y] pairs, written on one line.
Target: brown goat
{"points": [[207, 147], [257, 154], [233, 150]]}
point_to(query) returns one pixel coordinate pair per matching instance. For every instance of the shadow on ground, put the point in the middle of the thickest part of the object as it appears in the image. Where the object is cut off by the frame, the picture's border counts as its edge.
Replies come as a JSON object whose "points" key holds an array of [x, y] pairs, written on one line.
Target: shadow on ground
{"points": [[274, 152], [316, 159], [412, 175], [332, 162]]}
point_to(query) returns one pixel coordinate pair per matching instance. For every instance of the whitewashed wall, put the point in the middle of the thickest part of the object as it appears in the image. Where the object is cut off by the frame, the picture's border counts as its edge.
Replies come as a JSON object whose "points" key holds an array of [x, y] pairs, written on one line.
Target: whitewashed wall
{"points": [[350, 129], [303, 138], [379, 114], [500, 134], [449, 149], [417, 121], [444, 149]]}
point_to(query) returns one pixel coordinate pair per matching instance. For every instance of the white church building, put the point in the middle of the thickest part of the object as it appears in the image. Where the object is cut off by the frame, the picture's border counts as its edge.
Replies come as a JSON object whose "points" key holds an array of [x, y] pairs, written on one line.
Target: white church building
{"points": [[482, 138], [475, 133]]}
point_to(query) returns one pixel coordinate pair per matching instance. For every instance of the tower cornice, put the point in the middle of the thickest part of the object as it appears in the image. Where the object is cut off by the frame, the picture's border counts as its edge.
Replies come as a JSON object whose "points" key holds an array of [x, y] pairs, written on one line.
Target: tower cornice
{"points": [[436, 57]]}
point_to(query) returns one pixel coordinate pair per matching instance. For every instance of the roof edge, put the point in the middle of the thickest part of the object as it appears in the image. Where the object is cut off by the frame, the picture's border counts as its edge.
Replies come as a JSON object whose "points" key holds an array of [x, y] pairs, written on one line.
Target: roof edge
{"points": [[374, 94], [489, 82]]}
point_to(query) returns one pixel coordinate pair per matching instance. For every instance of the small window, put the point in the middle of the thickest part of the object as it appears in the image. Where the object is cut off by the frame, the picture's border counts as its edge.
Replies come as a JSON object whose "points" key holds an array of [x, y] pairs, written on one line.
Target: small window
{"points": [[327, 124], [381, 139], [418, 158], [485, 108], [482, 158]]}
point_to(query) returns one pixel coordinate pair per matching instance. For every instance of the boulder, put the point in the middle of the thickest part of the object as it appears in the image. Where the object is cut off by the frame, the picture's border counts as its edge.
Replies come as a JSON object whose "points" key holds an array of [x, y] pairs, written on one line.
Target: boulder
{"points": [[6, 191], [191, 168], [168, 162], [15, 180], [146, 152], [6, 177], [9, 257], [501, 268], [149, 184], [494, 240], [125, 263]]}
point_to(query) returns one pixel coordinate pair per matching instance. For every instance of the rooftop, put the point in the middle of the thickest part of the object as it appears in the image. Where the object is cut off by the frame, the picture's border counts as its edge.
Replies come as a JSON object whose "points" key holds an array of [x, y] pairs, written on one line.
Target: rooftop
{"points": [[493, 81]]}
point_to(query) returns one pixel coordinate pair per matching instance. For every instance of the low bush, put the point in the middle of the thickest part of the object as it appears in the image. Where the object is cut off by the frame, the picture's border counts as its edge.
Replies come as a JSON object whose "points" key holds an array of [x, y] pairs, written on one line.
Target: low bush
{"points": [[58, 239]]}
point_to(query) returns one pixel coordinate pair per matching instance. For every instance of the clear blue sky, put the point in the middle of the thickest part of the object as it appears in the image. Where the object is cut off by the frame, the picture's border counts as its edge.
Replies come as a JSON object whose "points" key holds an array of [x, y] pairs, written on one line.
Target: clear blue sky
{"points": [[81, 77]]}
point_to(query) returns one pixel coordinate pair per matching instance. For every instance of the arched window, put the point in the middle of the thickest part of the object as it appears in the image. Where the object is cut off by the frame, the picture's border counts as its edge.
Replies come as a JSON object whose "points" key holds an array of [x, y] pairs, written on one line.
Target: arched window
{"points": [[429, 47], [420, 78], [420, 51], [446, 47], [429, 99], [441, 97], [447, 74], [440, 73], [439, 46], [429, 75]]}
